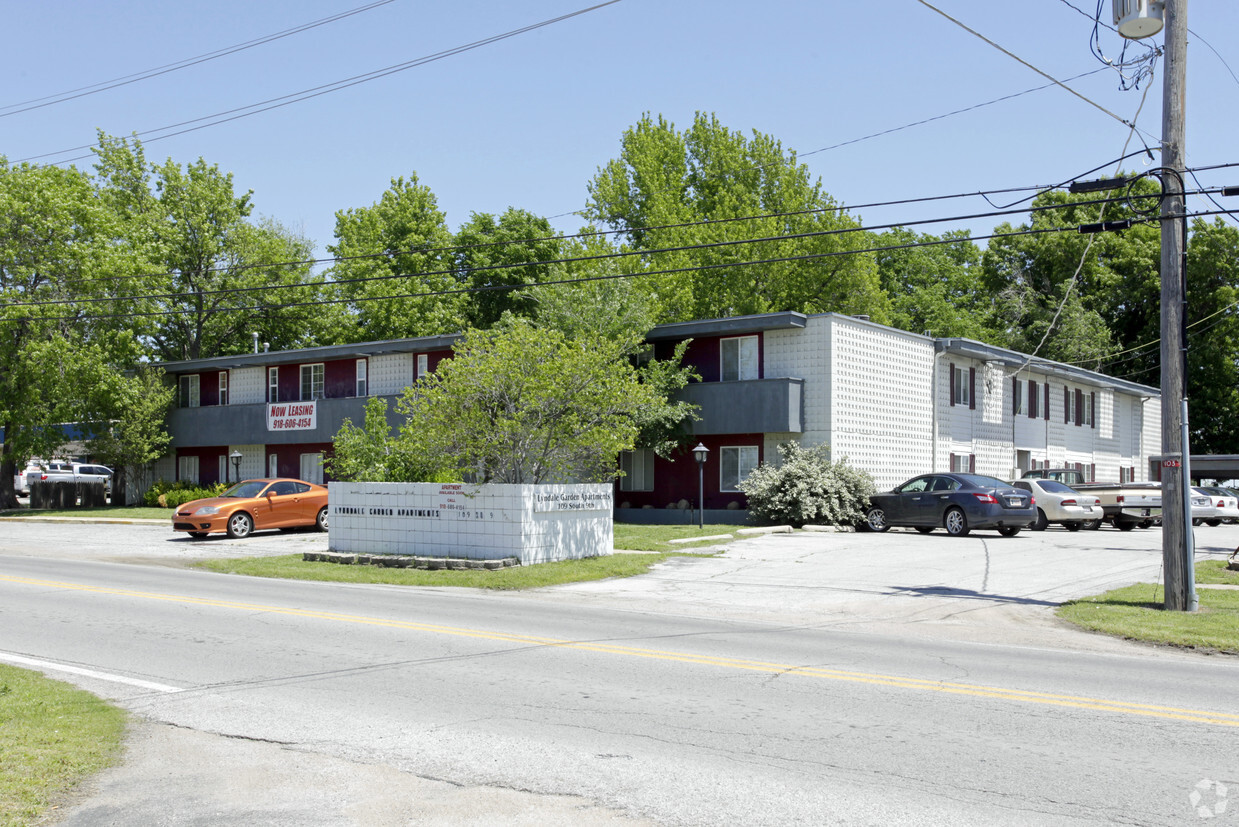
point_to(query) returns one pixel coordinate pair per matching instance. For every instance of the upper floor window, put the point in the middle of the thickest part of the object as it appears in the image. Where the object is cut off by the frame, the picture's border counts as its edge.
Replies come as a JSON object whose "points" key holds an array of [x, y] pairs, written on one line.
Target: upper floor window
{"points": [[188, 391], [312, 381], [223, 387], [361, 378], [1069, 406], [1019, 400], [735, 463], [1089, 401], [423, 365], [739, 357], [273, 384], [962, 385]]}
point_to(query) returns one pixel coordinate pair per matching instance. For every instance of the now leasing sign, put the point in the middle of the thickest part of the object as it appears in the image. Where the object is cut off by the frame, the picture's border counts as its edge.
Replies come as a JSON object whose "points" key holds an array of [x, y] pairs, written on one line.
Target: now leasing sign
{"points": [[292, 416]]}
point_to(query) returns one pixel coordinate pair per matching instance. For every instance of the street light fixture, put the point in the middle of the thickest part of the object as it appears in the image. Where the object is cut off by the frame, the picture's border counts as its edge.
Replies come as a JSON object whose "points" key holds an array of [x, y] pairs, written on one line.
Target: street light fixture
{"points": [[699, 454], [235, 456]]}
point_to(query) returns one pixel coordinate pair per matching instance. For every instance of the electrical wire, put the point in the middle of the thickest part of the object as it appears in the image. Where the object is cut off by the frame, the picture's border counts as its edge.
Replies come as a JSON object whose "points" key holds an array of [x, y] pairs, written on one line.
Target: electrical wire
{"points": [[640, 253], [1020, 60], [103, 86], [324, 89], [582, 280]]}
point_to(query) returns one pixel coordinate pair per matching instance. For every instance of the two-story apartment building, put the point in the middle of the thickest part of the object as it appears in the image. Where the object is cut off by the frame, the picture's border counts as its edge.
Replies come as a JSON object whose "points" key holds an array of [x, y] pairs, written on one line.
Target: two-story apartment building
{"points": [[893, 403]]}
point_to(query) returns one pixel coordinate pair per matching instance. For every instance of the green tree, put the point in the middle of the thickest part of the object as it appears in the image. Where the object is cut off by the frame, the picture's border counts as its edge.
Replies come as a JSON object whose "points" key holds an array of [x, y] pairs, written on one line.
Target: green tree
{"points": [[55, 242], [520, 404], [934, 287], [618, 311], [212, 275], [1213, 338], [395, 266], [132, 430], [497, 256], [704, 193], [371, 454]]}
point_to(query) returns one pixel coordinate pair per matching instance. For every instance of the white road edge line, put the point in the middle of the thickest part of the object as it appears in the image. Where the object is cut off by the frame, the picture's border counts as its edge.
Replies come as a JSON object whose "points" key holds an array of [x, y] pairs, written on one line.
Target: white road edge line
{"points": [[89, 673]]}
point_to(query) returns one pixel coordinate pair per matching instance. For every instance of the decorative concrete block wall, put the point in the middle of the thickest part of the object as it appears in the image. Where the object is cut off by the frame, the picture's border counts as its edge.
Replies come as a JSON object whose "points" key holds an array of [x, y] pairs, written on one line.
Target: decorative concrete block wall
{"points": [[533, 523]]}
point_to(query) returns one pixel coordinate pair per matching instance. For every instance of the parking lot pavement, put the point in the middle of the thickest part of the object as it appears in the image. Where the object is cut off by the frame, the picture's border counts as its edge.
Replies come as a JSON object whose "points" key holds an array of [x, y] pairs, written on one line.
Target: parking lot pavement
{"points": [[983, 587]]}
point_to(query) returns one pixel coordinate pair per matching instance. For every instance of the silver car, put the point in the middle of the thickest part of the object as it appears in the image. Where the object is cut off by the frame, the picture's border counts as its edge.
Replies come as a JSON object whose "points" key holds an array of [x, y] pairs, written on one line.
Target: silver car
{"points": [[1225, 505], [1059, 503]]}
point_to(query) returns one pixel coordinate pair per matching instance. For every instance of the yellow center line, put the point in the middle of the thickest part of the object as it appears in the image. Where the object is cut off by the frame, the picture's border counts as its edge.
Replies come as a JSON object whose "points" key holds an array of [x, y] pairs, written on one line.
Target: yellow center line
{"points": [[949, 687]]}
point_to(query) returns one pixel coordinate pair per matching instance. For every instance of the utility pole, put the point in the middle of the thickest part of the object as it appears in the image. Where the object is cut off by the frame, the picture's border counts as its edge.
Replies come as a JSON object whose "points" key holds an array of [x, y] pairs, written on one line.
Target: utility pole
{"points": [[1176, 480]]}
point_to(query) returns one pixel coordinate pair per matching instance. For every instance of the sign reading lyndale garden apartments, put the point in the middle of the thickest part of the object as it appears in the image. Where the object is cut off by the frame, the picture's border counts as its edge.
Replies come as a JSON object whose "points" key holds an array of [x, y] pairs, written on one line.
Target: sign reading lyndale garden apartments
{"points": [[292, 416], [533, 523]]}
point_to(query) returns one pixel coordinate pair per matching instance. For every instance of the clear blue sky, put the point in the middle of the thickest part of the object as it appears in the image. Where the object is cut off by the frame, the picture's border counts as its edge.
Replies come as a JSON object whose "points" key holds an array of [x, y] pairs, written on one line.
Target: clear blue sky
{"points": [[527, 121]]}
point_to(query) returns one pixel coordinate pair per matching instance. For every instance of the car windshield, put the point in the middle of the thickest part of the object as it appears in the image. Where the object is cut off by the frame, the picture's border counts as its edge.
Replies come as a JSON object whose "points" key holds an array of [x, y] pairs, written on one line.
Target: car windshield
{"points": [[982, 481], [245, 490]]}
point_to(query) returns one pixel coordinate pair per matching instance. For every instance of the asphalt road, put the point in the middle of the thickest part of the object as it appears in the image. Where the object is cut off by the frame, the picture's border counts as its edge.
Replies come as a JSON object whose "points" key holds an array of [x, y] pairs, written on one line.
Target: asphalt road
{"points": [[828, 678]]}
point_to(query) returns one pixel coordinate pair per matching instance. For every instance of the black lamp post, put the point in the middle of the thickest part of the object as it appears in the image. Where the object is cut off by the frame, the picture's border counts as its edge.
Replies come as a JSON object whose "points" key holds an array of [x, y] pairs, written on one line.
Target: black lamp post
{"points": [[699, 454], [235, 456]]}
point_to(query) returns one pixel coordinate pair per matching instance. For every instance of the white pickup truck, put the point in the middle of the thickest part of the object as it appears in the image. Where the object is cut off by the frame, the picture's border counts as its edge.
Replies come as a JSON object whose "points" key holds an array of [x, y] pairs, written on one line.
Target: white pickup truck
{"points": [[1126, 504], [56, 471]]}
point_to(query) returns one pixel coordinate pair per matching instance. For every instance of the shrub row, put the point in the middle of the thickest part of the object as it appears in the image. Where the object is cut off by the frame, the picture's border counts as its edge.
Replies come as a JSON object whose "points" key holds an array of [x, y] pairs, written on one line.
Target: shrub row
{"points": [[164, 494]]}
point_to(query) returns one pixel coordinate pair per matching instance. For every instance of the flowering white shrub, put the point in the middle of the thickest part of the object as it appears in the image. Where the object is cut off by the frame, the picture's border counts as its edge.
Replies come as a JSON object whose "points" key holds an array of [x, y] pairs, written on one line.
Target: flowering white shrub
{"points": [[807, 488]]}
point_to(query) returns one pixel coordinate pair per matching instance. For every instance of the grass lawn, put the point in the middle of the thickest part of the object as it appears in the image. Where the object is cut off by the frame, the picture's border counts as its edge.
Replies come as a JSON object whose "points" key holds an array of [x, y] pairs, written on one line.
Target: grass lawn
{"points": [[131, 512], [1136, 613], [51, 737], [292, 567]]}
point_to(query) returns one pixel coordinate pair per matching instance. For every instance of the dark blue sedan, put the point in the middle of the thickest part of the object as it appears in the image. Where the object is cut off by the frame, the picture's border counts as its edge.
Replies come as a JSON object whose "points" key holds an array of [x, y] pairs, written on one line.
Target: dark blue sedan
{"points": [[956, 502]]}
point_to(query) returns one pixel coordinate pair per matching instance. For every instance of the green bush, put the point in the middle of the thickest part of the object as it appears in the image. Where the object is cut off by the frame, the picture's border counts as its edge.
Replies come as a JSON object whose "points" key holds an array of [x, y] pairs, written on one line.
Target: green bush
{"points": [[165, 494], [807, 488]]}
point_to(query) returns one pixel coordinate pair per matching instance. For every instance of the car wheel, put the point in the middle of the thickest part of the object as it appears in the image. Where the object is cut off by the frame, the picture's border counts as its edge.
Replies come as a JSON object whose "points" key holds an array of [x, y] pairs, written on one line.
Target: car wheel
{"points": [[320, 522], [1197, 521], [197, 535], [956, 523], [876, 519], [1213, 522], [1072, 526], [1092, 525], [1041, 523], [1146, 523], [924, 529], [1008, 530], [240, 525], [1126, 526]]}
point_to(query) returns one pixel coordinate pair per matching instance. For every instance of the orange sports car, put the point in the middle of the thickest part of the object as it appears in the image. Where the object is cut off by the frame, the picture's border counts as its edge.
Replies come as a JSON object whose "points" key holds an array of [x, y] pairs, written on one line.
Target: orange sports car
{"points": [[255, 505]]}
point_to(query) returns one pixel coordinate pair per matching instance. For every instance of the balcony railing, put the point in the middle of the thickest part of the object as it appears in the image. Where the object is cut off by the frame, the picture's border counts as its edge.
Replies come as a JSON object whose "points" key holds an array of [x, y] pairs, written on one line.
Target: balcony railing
{"points": [[752, 406], [247, 424]]}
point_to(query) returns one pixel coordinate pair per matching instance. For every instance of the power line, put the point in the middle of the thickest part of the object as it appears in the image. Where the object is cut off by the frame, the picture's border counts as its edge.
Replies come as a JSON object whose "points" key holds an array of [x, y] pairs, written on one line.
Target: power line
{"points": [[574, 259], [335, 86], [582, 280], [103, 86], [1020, 60]]}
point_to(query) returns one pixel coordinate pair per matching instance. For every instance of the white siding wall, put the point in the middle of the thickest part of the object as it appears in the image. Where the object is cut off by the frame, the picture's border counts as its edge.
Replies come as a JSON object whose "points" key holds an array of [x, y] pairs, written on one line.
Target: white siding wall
{"points": [[247, 386], [390, 373]]}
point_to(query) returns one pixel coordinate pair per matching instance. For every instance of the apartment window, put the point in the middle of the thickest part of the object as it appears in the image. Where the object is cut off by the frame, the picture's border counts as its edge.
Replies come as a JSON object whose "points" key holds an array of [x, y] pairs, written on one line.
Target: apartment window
{"points": [[736, 462], [273, 384], [187, 468], [188, 391], [1019, 401], [739, 358], [963, 463], [962, 382], [638, 468], [361, 378], [312, 468], [273, 465], [423, 365], [223, 387], [1069, 406], [1090, 404], [311, 382]]}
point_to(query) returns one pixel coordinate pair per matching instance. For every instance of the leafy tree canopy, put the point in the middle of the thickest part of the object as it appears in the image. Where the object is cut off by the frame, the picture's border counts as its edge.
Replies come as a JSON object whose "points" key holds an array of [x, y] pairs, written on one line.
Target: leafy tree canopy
{"points": [[702, 194]]}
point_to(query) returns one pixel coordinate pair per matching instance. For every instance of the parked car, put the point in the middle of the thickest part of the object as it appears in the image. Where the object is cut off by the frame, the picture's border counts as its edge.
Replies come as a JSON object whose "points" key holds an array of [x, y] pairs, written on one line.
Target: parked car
{"points": [[1225, 504], [1204, 509], [1058, 503], [957, 502], [255, 505], [60, 471]]}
